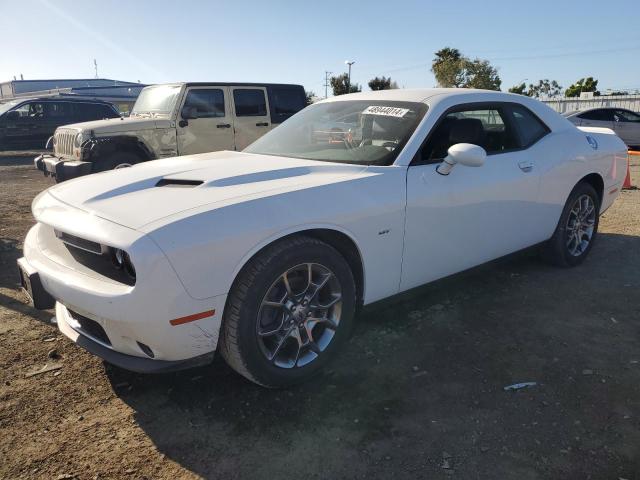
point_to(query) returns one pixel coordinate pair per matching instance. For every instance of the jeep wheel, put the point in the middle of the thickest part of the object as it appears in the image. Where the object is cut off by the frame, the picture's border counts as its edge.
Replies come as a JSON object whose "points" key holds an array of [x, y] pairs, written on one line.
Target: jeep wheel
{"points": [[116, 160]]}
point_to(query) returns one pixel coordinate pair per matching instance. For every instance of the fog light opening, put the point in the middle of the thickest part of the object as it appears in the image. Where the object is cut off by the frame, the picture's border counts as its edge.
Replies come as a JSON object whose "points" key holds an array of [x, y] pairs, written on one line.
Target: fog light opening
{"points": [[146, 349]]}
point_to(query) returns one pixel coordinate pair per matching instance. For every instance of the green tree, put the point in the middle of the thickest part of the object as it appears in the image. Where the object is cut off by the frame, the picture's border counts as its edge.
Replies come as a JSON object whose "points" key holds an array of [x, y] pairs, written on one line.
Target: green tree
{"points": [[583, 85], [381, 83], [544, 88], [310, 96], [448, 66], [452, 69], [519, 89], [481, 74], [339, 85]]}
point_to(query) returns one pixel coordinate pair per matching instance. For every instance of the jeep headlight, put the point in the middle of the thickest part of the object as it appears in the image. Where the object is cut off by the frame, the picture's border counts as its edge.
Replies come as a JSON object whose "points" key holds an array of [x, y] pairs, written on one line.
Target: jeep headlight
{"points": [[78, 140]]}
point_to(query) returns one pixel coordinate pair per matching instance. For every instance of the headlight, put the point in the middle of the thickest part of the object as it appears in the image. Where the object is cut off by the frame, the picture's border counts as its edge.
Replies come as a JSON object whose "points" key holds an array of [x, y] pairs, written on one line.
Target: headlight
{"points": [[122, 261], [78, 140]]}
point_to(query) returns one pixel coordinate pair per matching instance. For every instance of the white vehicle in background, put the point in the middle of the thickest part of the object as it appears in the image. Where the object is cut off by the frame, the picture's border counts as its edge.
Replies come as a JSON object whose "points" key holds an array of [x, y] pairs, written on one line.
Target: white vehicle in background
{"points": [[169, 120], [266, 254], [624, 122]]}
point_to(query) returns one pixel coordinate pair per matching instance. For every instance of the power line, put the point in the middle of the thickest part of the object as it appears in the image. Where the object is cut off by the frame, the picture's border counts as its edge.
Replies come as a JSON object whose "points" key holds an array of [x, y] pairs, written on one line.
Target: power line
{"points": [[416, 66]]}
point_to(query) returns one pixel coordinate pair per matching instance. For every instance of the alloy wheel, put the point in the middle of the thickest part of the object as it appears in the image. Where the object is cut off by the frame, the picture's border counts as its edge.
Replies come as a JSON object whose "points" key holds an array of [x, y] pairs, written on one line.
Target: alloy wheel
{"points": [[299, 315], [580, 225]]}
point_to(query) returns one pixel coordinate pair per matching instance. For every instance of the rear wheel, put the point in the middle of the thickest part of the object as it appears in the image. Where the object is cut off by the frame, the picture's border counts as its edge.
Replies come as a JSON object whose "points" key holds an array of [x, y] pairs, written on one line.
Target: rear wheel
{"points": [[577, 229], [289, 312]]}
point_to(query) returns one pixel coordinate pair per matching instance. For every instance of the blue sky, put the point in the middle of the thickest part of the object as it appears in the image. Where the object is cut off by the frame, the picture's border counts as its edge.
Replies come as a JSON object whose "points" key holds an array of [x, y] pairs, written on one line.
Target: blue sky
{"points": [[296, 41]]}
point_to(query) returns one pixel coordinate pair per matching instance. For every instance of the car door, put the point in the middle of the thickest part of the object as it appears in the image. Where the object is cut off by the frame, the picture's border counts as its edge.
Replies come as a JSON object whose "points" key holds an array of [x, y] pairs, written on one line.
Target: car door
{"points": [[472, 215], [23, 129], [57, 114], [205, 123], [627, 126], [599, 117], [251, 114]]}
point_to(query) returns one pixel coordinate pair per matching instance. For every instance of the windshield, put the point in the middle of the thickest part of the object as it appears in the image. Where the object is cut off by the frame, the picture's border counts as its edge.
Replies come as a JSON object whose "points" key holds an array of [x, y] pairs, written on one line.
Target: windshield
{"points": [[159, 99], [371, 132], [5, 107]]}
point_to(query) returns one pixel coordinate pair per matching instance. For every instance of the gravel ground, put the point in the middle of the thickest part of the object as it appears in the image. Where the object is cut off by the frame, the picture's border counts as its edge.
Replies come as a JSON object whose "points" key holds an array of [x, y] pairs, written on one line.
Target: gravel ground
{"points": [[418, 393]]}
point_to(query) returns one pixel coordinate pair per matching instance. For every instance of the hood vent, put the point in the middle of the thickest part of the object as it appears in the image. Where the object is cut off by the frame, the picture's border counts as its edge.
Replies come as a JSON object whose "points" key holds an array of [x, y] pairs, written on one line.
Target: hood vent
{"points": [[177, 182]]}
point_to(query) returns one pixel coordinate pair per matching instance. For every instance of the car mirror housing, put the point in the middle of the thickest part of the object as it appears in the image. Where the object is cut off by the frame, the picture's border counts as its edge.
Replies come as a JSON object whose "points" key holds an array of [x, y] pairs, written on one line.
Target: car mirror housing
{"points": [[466, 154], [12, 115]]}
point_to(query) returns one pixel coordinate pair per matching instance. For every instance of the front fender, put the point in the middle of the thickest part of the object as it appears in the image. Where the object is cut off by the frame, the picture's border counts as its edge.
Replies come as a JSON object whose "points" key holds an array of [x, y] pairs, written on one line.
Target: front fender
{"points": [[209, 248], [97, 149]]}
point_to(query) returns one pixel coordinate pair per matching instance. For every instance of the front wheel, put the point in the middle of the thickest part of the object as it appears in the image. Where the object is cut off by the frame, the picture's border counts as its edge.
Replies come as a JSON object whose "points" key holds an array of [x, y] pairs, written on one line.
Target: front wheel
{"points": [[116, 161], [289, 312], [577, 229]]}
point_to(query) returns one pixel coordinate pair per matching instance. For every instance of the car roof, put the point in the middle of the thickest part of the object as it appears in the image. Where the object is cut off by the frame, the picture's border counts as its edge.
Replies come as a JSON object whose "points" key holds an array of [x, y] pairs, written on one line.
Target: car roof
{"points": [[448, 96], [419, 94], [226, 84], [63, 99]]}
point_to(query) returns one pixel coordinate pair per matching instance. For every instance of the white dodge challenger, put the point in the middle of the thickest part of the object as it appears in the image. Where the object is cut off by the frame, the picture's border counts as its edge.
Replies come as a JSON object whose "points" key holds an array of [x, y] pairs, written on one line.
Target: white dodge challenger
{"points": [[266, 254]]}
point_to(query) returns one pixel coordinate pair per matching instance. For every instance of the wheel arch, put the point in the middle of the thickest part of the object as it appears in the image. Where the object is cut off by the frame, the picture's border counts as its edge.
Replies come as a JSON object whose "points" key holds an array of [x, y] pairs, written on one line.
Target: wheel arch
{"points": [[343, 241], [596, 181], [99, 148]]}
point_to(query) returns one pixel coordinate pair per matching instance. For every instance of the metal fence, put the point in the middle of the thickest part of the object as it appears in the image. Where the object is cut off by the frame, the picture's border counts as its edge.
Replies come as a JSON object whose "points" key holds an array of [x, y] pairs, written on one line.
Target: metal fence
{"points": [[630, 102]]}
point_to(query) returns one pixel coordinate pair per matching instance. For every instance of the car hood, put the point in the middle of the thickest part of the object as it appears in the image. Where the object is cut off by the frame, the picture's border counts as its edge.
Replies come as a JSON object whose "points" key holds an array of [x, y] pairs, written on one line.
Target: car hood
{"points": [[116, 125], [148, 192]]}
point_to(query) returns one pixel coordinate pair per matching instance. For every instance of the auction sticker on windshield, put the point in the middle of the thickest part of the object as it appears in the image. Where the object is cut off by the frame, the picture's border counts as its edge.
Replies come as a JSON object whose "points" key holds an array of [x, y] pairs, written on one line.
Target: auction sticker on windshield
{"points": [[387, 111]]}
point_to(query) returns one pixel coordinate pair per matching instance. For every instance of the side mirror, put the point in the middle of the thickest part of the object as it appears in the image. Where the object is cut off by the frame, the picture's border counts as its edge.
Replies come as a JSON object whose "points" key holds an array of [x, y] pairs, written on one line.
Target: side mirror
{"points": [[12, 115], [463, 153], [188, 113]]}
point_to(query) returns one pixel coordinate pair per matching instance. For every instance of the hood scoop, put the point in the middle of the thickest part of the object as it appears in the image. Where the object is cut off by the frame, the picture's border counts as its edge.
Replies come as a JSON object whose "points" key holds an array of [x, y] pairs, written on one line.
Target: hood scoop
{"points": [[178, 182]]}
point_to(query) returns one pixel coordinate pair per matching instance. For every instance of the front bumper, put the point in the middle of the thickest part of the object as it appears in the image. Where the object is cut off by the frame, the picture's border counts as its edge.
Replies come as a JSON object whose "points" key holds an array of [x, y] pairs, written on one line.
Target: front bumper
{"points": [[134, 323], [65, 321], [61, 169]]}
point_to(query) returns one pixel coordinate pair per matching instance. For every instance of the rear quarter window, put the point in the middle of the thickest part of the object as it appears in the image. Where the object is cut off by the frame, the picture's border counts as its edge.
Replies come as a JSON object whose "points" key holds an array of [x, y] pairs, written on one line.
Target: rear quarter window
{"points": [[86, 111], [529, 127], [285, 102], [107, 112]]}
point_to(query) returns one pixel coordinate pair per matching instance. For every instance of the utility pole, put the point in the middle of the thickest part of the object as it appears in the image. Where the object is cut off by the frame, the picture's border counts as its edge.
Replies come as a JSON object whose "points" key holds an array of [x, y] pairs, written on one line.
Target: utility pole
{"points": [[326, 83], [95, 65], [347, 62]]}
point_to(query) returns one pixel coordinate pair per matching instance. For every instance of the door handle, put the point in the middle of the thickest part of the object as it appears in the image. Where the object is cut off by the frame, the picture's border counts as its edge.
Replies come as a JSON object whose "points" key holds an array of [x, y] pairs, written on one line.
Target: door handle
{"points": [[262, 124], [223, 125], [526, 165]]}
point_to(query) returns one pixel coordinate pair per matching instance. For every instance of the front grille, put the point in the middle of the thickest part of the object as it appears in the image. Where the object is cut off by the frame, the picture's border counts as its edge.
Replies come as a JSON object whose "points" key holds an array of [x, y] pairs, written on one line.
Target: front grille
{"points": [[80, 243], [64, 142], [90, 327]]}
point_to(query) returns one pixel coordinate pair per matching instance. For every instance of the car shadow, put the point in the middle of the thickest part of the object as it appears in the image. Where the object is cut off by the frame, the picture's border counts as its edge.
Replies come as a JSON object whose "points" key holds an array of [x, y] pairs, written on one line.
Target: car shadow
{"points": [[424, 373], [10, 279]]}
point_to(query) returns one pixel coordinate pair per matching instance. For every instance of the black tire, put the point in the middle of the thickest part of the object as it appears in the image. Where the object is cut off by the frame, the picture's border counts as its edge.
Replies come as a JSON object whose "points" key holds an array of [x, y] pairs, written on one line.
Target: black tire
{"points": [[239, 341], [116, 160], [556, 250]]}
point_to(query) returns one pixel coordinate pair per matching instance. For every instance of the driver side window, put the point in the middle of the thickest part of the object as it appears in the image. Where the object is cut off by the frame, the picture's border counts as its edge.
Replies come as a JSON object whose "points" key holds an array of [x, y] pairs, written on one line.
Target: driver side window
{"points": [[30, 110], [205, 103], [485, 127]]}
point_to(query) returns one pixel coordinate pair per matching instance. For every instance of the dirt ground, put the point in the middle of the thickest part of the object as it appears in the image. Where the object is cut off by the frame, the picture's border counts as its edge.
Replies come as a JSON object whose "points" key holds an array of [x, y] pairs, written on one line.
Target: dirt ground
{"points": [[417, 394]]}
